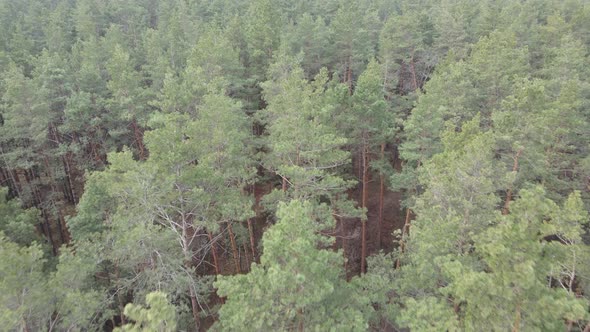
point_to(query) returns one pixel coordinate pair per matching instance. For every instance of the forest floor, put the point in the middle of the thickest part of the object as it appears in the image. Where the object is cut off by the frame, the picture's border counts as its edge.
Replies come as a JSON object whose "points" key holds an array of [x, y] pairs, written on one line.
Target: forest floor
{"points": [[393, 219]]}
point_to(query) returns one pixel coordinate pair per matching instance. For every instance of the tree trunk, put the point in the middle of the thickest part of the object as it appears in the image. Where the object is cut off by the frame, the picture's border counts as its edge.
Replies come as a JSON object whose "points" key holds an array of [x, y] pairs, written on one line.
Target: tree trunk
{"points": [[188, 264], [68, 170], [344, 249], [63, 232], [413, 70], [381, 194], [36, 197], [252, 244], [15, 180], [516, 326], [405, 231], [214, 253], [120, 303], [349, 75], [138, 135], [48, 231], [364, 206], [37, 203], [234, 248], [246, 256], [506, 208], [301, 319], [3, 177], [360, 174], [195, 308], [9, 174], [66, 164]]}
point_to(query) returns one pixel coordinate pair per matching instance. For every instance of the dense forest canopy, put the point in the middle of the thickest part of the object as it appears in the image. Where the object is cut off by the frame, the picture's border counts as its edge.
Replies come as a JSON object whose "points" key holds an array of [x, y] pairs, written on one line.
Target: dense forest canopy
{"points": [[271, 165]]}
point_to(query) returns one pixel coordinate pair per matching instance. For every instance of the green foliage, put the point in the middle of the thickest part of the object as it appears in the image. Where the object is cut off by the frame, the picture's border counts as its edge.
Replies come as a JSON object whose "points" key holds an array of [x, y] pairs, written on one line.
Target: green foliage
{"points": [[518, 258], [17, 224], [160, 316], [167, 115], [352, 47], [296, 285], [22, 286], [486, 266], [306, 149]]}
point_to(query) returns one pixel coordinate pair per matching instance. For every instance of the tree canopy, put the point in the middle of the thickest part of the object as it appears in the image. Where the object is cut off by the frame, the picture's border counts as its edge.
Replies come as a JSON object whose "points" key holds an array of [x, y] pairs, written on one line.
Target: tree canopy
{"points": [[373, 165]]}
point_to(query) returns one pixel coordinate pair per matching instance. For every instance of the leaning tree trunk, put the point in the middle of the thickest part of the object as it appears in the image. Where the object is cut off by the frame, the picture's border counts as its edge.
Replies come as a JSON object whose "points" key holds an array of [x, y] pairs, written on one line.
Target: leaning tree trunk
{"points": [[214, 253], [234, 248], [188, 264], [405, 231]]}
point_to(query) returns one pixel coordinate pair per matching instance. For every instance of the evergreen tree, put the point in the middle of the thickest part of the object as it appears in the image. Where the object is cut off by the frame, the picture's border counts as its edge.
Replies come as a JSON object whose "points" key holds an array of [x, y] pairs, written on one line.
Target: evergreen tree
{"points": [[297, 285], [518, 258], [160, 316], [18, 225], [372, 126], [305, 148], [23, 292]]}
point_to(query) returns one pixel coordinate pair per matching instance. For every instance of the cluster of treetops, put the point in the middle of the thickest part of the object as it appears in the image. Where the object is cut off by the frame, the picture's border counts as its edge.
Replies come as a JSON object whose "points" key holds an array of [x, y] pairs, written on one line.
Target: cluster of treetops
{"points": [[135, 137]]}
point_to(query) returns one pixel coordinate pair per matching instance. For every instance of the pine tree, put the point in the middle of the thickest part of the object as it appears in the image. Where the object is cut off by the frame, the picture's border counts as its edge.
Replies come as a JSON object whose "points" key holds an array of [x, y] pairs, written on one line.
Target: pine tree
{"points": [[305, 147], [517, 260], [159, 316], [23, 287], [18, 225], [372, 124], [297, 285]]}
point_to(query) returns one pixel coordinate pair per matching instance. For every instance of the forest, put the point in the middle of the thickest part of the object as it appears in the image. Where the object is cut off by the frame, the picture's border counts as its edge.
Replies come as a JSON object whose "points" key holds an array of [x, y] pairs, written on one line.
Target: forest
{"points": [[294, 165]]}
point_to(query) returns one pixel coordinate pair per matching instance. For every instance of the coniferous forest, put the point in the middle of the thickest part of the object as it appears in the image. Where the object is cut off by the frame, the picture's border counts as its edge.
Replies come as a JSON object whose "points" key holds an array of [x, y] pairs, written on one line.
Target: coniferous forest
{"points": [[303, 165]]}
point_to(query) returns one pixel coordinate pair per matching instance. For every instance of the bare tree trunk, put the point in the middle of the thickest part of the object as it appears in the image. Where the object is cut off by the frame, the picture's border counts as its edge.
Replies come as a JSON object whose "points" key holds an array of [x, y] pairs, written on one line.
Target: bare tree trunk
{"points": [[16, 184], [300, 323], [516, 326], [62, 225], [214, 253], [138, 135], [343, 234], [48, 231], [381, 194], [68, 170], [246, 256], [360, 174], [364, 205], [234, 248], [29, 181], [506, 208], [413, 70], [188, 264], [60, 222], [119, 298], [405, 231], [10, 174], [37, 203], [349, 75], [252, 244], [3, 177], [195, 308]]}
